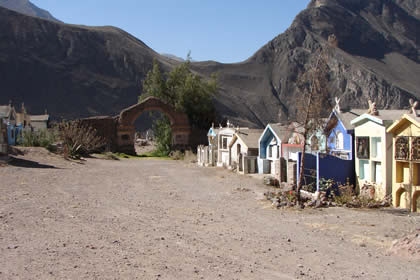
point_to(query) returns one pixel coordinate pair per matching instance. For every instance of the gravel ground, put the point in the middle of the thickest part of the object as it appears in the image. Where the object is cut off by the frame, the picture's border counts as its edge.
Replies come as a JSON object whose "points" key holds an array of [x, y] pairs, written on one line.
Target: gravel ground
{"points": [[158, 219]]}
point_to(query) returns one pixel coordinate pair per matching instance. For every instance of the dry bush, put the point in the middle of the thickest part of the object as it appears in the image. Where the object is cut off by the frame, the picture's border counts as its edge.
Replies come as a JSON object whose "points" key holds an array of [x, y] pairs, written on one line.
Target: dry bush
{"points": [[79, 139], [176, 155], [110, 156], [349, 198], [347, 195]]}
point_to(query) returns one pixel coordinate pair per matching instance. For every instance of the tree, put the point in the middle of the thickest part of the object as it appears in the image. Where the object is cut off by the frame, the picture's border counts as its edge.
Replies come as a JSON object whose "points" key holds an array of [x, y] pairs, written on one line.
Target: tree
{"points": [[185, 91], [163, 136], [154, 84], [313, 85]]}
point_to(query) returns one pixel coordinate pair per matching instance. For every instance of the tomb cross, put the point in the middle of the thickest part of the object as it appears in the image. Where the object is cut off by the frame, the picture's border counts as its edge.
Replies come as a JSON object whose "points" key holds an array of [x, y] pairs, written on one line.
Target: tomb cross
{"points": [[413, 105], [372, 108], [337, 104]]}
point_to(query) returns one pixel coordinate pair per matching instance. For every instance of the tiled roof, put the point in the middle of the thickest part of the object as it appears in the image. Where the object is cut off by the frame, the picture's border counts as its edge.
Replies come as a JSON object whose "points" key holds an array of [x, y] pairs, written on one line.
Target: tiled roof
{"points": [[282, 131], [250, 137], [39, 118], [391, 115], [404, 118], [286, 132], [4, 111], [347, 117]]}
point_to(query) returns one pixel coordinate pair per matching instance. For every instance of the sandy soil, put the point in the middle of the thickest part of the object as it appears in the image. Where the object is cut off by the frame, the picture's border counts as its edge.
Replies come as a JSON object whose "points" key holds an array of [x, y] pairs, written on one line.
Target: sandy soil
{"points": [[148, 148], [157, 219]]}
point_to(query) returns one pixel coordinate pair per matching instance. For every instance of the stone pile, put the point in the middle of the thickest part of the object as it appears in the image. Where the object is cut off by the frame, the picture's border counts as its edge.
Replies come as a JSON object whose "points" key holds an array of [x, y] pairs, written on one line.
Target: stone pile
{"points": [[408, 246]]}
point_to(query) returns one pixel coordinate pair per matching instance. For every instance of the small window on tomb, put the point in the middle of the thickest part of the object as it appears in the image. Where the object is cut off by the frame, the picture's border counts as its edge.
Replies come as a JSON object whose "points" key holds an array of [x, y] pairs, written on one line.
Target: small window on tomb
{"points": [[125, 137], [402, 149], [376, 147], [270, 151], [339, 140], [362, 146], [364, 172], [225, 143], [377, 172], [314, 143]]}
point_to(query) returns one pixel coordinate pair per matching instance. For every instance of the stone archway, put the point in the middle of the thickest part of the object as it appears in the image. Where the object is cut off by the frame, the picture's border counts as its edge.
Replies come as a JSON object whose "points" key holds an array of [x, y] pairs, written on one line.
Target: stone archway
{"points": [[181, 129]]}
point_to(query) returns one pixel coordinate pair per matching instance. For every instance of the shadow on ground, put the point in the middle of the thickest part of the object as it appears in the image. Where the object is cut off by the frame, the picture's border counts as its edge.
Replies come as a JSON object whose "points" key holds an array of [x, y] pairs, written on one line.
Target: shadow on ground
{"points": [[397, 211], [28, 163]]}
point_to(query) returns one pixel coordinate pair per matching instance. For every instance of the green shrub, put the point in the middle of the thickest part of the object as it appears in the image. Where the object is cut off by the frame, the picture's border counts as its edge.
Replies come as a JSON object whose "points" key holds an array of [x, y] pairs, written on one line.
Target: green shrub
{"points": [[110, 156], [310, 187], [176, 155], [163, 135], [42, 138]]}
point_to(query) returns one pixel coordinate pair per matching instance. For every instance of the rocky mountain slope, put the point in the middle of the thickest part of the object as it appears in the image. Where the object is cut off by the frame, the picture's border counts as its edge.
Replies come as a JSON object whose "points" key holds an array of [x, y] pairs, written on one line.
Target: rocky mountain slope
{"points": [[27, 8], [79, 71], [73, 71], [377, 57]]}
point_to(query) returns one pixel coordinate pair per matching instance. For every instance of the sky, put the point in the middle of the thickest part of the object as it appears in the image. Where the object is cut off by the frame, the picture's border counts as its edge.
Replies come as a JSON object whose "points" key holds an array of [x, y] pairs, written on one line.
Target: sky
{"points": [[222, 30]]}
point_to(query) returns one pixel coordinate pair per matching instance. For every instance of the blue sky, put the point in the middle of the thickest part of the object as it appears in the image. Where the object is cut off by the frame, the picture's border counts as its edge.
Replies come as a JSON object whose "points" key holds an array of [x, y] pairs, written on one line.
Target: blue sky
{"points": [[221, 30]]}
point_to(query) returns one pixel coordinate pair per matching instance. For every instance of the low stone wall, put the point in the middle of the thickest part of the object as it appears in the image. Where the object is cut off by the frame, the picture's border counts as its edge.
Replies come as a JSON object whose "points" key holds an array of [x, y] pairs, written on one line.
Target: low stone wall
{"points": [[105, 127], [3, 140], [206, 156], [250, 165]]}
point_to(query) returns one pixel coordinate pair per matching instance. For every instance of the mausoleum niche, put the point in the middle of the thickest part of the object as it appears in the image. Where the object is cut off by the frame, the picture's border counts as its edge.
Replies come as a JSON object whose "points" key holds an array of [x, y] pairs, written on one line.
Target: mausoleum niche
{"points": [[362, 146], [314, 143], [402, 148], [339, 140]]}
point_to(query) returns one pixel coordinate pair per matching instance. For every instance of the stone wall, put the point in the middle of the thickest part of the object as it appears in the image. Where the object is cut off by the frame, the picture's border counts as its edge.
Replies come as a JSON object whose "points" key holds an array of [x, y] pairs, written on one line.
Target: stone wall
{"points": [[106, 127], [3, 139], [292, 172]]}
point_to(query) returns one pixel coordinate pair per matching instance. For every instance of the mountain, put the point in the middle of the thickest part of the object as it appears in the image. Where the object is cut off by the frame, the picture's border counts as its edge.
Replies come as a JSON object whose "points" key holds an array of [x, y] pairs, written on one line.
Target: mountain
{"points": [[77, 71], [172, 56], [377, 58], [73, 71], [27, 8]]}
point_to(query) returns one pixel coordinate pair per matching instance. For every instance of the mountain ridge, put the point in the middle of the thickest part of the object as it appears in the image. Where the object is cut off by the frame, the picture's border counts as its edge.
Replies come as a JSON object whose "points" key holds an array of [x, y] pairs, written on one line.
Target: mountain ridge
{"points": [[98, 70], [356, 76], [28, 8]]}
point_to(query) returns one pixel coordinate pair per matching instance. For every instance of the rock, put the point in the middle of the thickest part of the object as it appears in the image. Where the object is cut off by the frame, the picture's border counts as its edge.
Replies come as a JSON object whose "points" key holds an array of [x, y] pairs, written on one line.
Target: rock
{"points": [[408, 246], [319, 204], [270, 181], [300, 206], [275, 204], [312, 203], [282, 204], [286, 187]]}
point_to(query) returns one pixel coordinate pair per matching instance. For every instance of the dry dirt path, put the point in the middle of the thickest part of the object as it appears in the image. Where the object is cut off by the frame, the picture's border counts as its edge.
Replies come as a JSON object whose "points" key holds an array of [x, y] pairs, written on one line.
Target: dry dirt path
{"points": [[155, 219]]}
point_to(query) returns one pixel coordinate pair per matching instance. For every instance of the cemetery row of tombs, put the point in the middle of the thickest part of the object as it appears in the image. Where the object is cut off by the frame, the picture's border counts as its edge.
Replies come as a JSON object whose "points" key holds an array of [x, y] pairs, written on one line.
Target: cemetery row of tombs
{"points": [[376, 150]]}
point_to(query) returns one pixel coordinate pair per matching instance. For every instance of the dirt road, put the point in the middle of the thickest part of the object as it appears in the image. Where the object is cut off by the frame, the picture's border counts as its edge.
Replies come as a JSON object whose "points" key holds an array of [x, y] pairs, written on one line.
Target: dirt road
{"points": [[156, 219]]}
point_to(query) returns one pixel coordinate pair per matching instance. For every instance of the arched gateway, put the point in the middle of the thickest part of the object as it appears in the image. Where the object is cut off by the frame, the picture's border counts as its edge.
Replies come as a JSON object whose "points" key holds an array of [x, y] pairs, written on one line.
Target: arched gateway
{"points": [[181, 129]]}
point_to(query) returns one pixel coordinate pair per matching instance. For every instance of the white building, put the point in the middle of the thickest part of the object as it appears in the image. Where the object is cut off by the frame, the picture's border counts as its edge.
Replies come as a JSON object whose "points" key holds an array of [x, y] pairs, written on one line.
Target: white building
{"points": [[243, 150]]}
